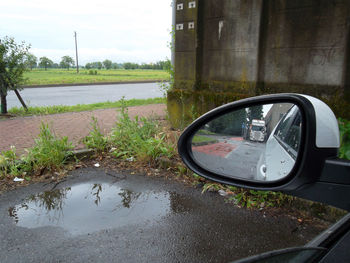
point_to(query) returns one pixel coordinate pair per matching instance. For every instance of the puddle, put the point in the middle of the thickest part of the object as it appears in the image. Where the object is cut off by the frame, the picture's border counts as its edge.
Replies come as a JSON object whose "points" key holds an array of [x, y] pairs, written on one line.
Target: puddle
{"points": [[87, 207]]}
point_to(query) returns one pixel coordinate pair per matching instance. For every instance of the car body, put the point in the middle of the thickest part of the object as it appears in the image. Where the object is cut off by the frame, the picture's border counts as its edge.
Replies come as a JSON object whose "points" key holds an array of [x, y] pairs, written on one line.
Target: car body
{"points": [[282, 147]]}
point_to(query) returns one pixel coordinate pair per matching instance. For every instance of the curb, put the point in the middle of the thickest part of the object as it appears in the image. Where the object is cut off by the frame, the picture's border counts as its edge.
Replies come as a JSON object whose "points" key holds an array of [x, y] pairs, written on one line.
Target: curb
{"points": [[83, 153]]}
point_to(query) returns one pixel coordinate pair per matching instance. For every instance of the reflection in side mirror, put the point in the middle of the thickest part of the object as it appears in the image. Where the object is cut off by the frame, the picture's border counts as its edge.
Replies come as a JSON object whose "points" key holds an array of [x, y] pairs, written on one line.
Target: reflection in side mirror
{"points": [[259, 143]]}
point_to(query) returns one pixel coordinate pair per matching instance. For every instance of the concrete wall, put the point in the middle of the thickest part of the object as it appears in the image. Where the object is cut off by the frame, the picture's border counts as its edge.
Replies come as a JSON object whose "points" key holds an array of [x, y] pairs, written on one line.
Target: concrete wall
{"points": [[242, 48]]}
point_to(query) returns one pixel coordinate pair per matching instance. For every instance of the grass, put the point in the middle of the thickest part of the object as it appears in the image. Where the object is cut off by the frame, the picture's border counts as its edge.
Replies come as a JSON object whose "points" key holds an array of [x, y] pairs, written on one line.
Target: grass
{"points": [[139, 138], [344, 128], [198, 139], [63, 76], [48, 153], [83, 107], [96, 140]]}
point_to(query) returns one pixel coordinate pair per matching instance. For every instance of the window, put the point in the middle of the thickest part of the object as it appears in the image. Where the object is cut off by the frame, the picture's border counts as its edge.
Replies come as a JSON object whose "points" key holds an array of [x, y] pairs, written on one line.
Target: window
{"points": [[179, 26], [288, 131], [180, 6], [192, 4]]}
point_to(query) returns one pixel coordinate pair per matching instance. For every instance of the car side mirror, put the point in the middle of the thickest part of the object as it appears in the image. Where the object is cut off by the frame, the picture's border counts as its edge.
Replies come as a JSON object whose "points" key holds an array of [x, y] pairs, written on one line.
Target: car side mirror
{"points": [[283, 142], [257, 143]]}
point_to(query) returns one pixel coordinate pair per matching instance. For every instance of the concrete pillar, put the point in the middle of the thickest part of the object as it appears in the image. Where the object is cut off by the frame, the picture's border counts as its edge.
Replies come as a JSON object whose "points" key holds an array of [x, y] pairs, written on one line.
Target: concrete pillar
{"points": [[231, 49]]}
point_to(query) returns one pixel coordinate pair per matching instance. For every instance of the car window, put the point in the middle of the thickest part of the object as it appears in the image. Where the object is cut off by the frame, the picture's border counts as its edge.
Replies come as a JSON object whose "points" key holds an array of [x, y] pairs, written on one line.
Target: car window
{"points": [[293, 135], [288, 131]]}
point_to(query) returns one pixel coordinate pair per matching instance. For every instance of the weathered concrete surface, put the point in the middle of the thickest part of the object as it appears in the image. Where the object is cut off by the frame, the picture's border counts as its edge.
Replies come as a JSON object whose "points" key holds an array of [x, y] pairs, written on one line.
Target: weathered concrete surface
{"points": [[242, 48], [181, 225]]}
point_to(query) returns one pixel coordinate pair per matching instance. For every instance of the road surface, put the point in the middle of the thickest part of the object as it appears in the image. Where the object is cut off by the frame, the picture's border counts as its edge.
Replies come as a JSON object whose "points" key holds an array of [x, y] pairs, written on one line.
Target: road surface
{"points": [[107, 216], [73, 95], [230, 156]]}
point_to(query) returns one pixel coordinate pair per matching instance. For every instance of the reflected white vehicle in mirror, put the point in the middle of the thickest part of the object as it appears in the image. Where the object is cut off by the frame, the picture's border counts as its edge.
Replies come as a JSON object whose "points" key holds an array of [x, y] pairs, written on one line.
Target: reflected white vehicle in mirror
{"points": [[257, 131], [282, 148]]}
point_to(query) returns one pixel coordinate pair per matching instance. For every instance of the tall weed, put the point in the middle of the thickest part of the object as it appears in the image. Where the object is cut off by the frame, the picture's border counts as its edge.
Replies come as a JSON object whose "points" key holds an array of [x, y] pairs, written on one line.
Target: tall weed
{"points": [[139, 138], [8, 161], [96, 140], [49, 151]]}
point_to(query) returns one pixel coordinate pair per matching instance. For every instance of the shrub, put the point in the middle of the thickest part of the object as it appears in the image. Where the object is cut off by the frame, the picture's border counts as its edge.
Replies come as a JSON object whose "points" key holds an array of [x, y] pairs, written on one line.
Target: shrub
{"points": [[48, 151], [140, 138], [92, 72], [96, 140]]}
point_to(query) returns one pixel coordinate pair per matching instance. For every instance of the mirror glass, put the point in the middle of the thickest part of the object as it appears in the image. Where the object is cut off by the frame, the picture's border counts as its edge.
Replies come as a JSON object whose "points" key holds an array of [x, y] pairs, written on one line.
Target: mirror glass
{"points": [[258, 143]]}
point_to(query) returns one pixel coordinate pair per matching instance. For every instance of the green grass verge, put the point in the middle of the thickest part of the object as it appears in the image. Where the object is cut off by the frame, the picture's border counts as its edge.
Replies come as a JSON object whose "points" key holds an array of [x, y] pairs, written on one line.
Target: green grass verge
{"points": [[82, 107], [63, 76], [202, 139]]}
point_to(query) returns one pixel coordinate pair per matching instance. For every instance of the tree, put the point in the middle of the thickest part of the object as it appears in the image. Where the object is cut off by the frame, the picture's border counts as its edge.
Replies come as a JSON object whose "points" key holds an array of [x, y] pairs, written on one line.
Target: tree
{"points": [[88, 66], [45, 62], [97, 65], [31, 61], [66, 62], [12, 67], [256, 113], [129, 65], [107, 64], [116, 66], [229, 124]]}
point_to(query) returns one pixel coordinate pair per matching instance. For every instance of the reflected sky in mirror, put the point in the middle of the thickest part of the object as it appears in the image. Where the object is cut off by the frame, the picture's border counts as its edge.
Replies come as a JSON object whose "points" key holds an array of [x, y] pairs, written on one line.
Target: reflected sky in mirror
{"points": [[258, 143]]}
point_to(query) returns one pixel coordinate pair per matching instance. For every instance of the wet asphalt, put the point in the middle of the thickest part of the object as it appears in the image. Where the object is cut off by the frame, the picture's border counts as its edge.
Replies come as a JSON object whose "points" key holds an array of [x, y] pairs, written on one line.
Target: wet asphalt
{"points": [[73, 95], [98, 216]]}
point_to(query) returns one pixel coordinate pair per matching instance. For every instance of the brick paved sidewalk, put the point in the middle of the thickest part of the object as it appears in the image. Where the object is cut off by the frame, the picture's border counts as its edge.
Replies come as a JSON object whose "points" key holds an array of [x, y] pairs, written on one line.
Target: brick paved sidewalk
{"points": [[21, 131]]}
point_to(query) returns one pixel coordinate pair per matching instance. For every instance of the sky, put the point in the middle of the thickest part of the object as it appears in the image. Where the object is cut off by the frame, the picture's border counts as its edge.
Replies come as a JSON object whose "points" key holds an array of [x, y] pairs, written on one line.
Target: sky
{"points": [[118, 30]]}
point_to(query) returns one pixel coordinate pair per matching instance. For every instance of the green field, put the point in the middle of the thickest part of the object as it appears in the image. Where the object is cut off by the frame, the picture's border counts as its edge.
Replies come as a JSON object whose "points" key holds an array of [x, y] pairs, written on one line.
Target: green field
{"points": [[63, 76]]}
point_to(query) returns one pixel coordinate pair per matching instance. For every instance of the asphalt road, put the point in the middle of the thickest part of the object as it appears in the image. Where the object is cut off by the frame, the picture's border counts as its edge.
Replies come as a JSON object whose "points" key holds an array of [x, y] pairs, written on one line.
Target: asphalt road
{"points": [[230, 156], [73, 95], [99, 216]]}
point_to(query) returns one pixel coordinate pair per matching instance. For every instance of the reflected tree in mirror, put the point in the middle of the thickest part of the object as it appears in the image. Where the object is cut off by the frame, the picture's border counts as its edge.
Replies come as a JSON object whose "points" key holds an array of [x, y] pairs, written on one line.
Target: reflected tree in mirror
{"points": [[258, 143]]}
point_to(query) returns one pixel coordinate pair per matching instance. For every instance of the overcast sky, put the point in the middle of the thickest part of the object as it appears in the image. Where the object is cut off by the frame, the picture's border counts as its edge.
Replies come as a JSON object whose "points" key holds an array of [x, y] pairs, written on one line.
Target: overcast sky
{"points": [[119, 30]]}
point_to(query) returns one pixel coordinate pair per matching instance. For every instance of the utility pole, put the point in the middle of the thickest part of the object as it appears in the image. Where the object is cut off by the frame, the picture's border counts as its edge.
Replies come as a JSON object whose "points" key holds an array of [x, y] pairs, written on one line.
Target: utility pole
{"points": [[76, 50]]}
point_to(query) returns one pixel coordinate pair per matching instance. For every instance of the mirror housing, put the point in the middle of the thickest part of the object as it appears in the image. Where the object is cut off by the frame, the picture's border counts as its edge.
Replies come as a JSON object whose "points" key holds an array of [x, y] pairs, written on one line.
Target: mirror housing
{"points": [[318, 148]]}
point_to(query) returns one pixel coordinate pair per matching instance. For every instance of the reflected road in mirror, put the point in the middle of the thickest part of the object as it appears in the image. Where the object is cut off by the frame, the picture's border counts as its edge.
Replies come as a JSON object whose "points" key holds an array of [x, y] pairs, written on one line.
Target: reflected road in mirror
{"points": [[258, 143]]}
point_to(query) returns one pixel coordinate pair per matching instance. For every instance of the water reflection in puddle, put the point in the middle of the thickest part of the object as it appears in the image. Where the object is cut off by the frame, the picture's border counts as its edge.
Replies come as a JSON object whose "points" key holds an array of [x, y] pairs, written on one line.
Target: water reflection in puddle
{"points": [[86, 208]]}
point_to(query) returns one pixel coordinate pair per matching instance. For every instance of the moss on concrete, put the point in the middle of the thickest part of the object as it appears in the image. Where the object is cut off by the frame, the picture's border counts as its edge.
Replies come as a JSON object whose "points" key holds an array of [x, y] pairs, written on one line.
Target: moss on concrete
{"points": [[185, 106], [332, 95], [187, 101]]}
